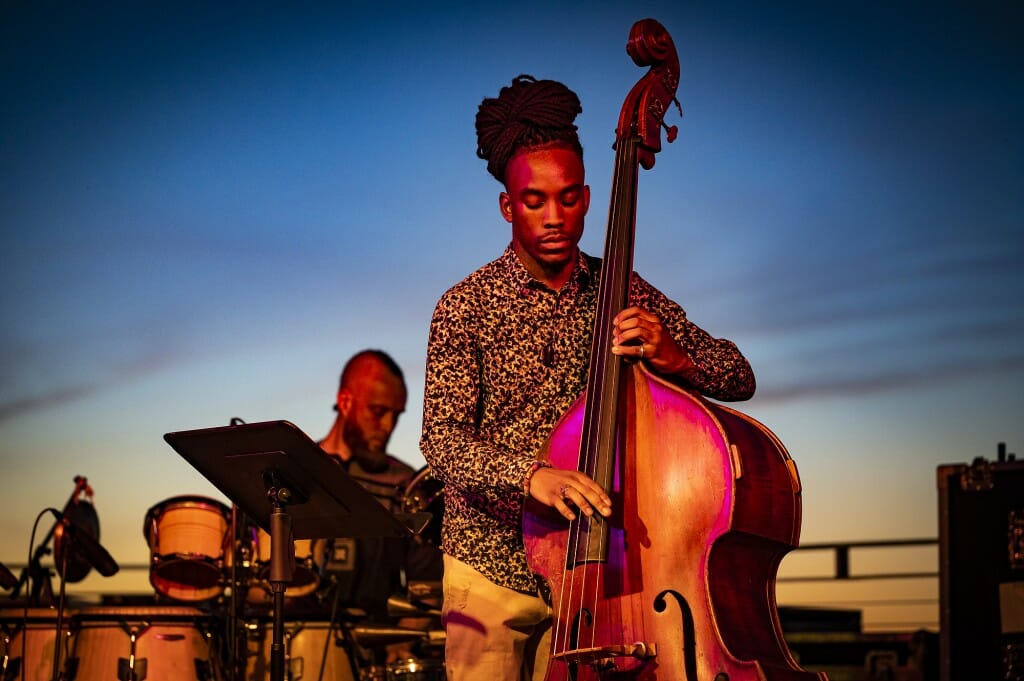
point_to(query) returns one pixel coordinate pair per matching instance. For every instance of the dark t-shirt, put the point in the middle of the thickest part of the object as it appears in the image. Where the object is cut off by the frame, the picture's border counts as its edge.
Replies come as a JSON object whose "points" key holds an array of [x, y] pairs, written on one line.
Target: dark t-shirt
{"points": [[366, 572]]}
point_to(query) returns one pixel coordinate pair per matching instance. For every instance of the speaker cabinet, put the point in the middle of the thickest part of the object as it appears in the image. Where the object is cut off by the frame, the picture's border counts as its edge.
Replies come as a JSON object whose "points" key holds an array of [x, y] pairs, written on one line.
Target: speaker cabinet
{"points": [[981, 571]]}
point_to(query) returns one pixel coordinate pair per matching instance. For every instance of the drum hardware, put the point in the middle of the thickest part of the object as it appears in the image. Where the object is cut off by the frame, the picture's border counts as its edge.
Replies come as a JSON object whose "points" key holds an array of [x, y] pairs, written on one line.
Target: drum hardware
{"points": [[415, 669], [423, 590], [7, 578], [402, 607], [435, 638], [424, 494], [370, 635]]}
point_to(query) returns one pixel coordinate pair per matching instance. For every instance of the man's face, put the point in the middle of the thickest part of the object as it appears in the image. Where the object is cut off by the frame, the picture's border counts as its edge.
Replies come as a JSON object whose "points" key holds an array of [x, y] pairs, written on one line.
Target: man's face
{"points": [[371, 407], [546, 200]]}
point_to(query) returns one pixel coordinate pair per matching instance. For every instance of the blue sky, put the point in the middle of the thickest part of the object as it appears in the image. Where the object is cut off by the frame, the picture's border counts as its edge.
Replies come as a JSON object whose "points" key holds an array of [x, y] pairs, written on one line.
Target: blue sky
{"points": [[206, 208]]}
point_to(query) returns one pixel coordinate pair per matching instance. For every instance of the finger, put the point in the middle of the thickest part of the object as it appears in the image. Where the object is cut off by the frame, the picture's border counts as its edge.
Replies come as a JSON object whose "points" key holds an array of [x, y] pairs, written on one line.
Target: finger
{"points": [[570, 493], [628, 313], [592, 495], [627, 335], [563, 508], [634, 313]]}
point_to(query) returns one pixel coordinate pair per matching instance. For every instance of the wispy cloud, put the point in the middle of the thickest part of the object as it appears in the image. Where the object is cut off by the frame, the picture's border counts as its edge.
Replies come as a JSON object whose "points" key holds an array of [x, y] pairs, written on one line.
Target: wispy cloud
{"points": [[18, 400], [890, 379]]}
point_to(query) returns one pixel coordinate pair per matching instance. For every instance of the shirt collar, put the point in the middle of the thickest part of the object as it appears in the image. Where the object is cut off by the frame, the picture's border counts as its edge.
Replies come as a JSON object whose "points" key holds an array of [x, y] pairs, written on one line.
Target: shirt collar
{"points": [[522, 280]]}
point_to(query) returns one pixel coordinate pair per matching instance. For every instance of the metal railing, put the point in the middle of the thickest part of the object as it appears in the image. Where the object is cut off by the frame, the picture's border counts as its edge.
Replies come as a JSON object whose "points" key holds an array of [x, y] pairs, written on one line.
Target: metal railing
{"points": [[842, 560]]}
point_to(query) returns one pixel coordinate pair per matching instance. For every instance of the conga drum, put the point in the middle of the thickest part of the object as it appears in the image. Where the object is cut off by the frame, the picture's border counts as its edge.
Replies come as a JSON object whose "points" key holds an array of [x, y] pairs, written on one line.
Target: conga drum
{"points": [[27, 641], [313, 650], [155, 644]]}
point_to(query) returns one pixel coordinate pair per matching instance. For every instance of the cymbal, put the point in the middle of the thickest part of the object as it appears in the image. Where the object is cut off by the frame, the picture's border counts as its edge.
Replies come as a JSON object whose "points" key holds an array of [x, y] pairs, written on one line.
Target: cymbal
{"points": [[402, 607], [421, 590], [370, 635]]}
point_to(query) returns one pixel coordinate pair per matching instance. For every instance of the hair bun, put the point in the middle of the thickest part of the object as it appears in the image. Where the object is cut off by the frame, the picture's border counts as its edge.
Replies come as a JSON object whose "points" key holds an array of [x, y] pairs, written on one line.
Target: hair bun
{"points": [[527, 113]]}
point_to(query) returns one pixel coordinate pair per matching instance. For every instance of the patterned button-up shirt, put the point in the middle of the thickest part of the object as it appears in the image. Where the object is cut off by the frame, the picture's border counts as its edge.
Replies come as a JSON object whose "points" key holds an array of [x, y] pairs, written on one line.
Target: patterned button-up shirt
{"points": [[507, 356]]}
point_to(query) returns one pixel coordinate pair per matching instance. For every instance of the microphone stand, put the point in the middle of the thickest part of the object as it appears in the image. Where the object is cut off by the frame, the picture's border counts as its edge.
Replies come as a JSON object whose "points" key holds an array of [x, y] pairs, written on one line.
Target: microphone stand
{"points": [[38, 577], [58, 642]]}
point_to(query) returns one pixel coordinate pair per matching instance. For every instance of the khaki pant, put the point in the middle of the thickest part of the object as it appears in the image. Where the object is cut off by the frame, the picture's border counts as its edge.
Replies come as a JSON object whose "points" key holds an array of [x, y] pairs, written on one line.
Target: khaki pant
{"points": [[491, 632]]}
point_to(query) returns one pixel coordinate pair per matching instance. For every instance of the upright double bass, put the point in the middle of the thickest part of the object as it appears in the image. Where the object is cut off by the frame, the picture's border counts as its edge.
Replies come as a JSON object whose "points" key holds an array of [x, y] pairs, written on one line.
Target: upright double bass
{"points": [[679, 583]]}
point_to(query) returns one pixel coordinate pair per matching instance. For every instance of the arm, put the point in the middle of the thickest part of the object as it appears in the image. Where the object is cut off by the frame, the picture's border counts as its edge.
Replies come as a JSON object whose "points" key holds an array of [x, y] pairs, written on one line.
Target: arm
{"points": [[458, 456], [452, 401], [678, 348]]}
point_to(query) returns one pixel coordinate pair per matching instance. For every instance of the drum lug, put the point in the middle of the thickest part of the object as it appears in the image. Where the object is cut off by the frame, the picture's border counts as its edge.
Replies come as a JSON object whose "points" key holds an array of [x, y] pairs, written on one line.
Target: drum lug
{"points": [[126, 672], [11, 668], [204, 670]]}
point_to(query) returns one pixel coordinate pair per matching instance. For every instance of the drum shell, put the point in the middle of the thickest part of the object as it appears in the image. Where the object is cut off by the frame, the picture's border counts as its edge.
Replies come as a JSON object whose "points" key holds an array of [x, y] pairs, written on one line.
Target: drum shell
{"points": [[310, 558], [171, 642], [188, 538], [37, 630], [304, 644]]}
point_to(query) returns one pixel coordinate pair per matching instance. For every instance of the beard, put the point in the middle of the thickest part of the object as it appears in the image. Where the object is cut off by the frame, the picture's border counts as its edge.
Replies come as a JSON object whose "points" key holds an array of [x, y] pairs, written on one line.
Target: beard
{"points": [[372, 459]]}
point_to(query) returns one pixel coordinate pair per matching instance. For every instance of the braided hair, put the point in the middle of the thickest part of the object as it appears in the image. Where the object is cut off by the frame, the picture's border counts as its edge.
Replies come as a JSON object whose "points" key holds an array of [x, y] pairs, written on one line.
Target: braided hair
{"points": [[527, 113]]}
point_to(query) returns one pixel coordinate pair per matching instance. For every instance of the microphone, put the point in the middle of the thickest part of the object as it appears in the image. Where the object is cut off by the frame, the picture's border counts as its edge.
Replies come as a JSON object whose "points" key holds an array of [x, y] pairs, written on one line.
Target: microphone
{"points": [[7, 578], [88, 546]]}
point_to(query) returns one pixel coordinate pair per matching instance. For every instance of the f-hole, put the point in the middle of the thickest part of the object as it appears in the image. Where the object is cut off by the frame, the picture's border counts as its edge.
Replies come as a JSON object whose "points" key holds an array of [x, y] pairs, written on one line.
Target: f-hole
{"points": [[689, 642]]}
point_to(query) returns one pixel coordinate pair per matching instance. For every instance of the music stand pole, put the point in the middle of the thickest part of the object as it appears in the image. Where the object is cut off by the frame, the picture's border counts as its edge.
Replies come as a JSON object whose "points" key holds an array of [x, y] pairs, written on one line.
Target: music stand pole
{"points": [[282, 567]]}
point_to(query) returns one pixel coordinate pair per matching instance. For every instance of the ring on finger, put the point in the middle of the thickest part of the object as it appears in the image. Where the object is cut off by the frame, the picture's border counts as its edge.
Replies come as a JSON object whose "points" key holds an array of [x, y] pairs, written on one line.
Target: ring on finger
{"points": [[641, 351], [563, 491]]}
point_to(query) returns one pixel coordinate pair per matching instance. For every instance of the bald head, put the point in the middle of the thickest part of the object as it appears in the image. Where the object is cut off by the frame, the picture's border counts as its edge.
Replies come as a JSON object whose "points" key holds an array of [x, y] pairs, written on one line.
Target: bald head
{"points": [[371, 397]]}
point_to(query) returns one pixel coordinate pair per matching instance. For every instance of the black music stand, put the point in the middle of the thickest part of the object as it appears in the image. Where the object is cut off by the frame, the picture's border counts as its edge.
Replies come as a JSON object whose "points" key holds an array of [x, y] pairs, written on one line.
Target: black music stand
{"points": [[292, 489]]}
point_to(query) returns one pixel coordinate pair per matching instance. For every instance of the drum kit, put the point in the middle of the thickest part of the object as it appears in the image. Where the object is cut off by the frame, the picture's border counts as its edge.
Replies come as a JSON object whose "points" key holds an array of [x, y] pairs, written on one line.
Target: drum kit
{"points": [[210, 619]]}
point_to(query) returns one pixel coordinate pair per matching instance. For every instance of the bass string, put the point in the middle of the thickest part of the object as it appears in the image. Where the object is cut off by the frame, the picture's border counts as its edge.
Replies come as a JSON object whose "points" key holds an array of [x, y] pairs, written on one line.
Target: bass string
{"points": [[614, 293]]}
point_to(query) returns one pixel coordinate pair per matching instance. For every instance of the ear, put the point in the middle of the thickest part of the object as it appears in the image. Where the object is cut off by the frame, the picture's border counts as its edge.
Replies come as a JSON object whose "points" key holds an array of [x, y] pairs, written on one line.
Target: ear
{"points": [[344, 401], [586, 198], [505, 205]]}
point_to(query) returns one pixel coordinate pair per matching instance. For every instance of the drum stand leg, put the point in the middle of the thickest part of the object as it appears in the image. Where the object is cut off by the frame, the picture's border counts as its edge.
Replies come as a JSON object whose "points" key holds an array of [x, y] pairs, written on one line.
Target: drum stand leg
{"points": [[350, 644], [237, 646]]}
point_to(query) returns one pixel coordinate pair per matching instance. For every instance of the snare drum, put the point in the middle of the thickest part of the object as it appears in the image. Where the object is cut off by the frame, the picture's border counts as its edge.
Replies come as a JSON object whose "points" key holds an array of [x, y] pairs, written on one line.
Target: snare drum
{"points": [[142, 643], [37, 631], [310, 557], [187, 539], [424, 493], [306, 645]]}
